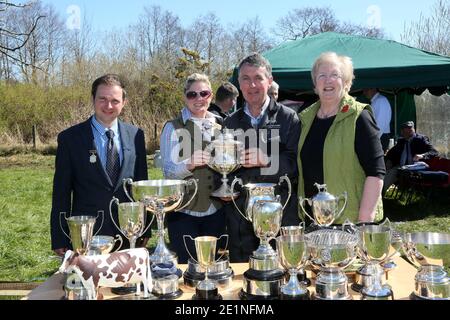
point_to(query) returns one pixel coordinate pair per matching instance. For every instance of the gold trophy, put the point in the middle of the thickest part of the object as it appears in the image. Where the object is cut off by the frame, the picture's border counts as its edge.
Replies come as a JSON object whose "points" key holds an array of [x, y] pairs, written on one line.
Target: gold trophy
{"points": [[205, 248]]}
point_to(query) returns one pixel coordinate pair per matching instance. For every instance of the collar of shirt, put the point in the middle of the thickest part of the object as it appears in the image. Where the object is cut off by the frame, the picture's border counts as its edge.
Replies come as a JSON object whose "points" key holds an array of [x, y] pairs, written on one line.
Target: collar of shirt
{"points": [[102, 130], [187, 115], [255, 120]]}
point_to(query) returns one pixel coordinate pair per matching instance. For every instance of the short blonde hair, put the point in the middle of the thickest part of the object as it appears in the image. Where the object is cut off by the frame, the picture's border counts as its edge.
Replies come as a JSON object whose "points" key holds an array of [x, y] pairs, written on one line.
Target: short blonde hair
{"points": [[194, 78], [344, 64]]}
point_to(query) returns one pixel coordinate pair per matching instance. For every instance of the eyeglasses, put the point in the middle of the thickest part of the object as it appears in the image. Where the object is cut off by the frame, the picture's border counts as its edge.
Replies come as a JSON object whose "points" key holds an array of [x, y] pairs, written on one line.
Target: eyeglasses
{"points": [[333, 76], [191, 95]]}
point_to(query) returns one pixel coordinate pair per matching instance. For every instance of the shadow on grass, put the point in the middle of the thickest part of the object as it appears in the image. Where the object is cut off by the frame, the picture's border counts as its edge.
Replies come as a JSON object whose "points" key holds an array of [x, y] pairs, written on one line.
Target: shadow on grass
{"points": [[418, 208]]}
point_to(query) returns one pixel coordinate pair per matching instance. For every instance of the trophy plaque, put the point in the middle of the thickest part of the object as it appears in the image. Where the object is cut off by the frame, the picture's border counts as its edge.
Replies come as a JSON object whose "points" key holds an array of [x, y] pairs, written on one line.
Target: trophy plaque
{"points": [[205, 247], [430, 253]]}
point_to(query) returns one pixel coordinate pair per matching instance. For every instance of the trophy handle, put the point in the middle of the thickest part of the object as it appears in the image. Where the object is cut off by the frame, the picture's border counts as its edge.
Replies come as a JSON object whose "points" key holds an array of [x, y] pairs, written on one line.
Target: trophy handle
{"points": [[238, 180], [103, 220], [118, 238], [114, 199], [226, 246], [301, 202], [185, 245], [124, 184], [344, 197], [60, 224], [286, 178], [151, 221], [190, 182]]}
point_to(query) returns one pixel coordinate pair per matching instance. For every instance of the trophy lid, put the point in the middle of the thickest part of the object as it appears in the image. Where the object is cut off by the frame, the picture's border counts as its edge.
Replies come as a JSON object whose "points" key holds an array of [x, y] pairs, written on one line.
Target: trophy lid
{"points": [[323, 195]]}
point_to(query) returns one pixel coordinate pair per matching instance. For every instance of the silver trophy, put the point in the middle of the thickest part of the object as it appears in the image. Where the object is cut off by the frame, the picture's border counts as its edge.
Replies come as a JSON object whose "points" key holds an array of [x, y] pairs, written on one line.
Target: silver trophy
{"points": [[225, 158], [331, 250], [104, 244], [205, 247], [81, 229], [161, 197], [132, 220], [325, 206], [374, 248], [264, 210], [430, 253], [292, 252]]}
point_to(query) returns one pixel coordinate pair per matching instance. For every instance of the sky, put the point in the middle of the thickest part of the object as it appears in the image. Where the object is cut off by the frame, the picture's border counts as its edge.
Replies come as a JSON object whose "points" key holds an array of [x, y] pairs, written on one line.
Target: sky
{"points": [[105, 15]]}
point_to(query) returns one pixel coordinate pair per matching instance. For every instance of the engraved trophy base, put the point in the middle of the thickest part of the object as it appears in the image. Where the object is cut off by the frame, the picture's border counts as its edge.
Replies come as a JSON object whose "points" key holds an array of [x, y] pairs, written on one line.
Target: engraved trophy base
{"points": [[331, 284], [384, 293], [263, 280], [363, 280], [212, 294], [166, 287], [220, 272]]}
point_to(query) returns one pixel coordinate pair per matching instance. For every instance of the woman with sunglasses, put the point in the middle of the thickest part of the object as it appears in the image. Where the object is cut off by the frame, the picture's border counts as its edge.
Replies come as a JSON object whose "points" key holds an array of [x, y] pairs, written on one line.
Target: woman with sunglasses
{"points": [[183, 141]]}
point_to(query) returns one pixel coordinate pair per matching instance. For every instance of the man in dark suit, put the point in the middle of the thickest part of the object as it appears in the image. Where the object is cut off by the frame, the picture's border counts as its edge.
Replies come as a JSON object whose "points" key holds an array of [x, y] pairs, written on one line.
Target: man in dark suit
{"points": [[410, 148], [92, 159], [277, 130]]}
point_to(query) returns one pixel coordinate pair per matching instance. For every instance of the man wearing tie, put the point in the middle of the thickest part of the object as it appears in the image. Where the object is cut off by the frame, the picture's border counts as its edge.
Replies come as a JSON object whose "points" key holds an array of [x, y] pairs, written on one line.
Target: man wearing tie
{"points": [[410, 148], [92, 159]]}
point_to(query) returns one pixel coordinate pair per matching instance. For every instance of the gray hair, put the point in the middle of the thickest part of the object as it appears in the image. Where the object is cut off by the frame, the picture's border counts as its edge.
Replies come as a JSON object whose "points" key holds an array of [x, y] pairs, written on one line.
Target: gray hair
{"points": [[344, 63]]}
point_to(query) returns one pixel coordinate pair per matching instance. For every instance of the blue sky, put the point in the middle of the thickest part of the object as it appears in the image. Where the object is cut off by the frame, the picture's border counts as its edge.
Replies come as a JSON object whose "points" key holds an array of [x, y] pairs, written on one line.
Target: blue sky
{"points": [[106, 14]]}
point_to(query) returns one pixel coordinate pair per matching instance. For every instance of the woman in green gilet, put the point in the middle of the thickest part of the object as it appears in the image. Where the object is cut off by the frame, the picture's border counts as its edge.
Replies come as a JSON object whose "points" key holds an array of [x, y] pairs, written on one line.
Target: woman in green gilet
{"points": [[339, 143]]}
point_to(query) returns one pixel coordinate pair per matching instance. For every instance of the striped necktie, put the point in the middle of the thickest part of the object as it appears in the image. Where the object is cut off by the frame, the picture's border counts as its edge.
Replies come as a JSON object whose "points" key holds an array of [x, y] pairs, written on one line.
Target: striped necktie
{"points": [[112, 158]]}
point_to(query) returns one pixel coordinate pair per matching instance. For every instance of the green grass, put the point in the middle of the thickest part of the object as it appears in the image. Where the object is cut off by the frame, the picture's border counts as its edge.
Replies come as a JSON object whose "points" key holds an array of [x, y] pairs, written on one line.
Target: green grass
{"points": [[25, 202]]}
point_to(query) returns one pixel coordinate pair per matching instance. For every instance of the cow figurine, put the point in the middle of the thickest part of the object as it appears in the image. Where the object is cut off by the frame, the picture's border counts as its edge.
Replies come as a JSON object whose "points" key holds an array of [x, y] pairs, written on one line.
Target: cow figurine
{"points": [[110, 270]]}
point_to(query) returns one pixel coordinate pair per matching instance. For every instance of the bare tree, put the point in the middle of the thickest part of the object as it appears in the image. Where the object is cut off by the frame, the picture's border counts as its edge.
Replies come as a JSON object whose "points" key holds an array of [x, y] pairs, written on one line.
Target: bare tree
{"points": [[13, 36], [431, 33], [310, 21]]}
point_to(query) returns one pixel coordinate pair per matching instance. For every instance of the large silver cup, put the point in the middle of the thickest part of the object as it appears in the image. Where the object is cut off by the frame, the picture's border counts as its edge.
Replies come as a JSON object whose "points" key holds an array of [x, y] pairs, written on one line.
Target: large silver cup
{"points": [[259, 191], [161, 197], [292, 252], [132, 218], [430, 253], [331, 250], [205, 248], [81, 229], [374, 248], [325, 206], [225, 158]]}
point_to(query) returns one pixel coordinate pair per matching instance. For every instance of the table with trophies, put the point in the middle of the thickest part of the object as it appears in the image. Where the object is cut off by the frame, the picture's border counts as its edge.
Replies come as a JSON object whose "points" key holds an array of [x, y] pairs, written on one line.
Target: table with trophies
{"points": [[321, 262]]}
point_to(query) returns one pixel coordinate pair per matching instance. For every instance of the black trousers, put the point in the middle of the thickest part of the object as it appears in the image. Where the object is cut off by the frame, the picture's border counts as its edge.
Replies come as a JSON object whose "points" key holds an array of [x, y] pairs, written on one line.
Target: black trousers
{"points": [[179, 224]]}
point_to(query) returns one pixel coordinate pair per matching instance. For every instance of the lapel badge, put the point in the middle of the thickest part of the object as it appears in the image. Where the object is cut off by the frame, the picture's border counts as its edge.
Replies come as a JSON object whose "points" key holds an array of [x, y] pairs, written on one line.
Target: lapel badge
{"points": [[93, 156]]}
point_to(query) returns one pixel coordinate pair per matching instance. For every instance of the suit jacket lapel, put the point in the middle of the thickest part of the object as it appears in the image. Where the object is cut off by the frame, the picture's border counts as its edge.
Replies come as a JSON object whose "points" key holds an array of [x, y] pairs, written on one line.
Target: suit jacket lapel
{"points": [[89, 142]]}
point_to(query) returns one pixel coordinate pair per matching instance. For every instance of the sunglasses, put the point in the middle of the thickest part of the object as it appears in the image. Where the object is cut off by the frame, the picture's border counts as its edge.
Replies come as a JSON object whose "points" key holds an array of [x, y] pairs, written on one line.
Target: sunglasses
{"points": [[191, 95]]}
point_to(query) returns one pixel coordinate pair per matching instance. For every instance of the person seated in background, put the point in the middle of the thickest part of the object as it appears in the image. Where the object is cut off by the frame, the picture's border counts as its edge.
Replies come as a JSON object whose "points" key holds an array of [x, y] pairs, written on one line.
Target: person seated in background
{"points": [[410, 148], [273, 90], [382, 112], [226, 96]]}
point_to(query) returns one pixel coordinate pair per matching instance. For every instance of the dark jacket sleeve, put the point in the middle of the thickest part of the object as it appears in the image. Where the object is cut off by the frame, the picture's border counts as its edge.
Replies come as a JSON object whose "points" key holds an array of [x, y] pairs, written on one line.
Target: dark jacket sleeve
{"points": [[425, 148], [62, 193], [141, 170]]}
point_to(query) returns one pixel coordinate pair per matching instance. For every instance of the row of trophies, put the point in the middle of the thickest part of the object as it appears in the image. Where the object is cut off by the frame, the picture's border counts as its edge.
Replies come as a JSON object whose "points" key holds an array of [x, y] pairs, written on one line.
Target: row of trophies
{"points": [[327, 250]]}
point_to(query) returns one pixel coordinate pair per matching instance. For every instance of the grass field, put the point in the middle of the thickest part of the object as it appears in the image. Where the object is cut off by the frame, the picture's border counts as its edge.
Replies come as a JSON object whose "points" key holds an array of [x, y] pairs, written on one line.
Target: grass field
{"points": [[25, 202]]}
